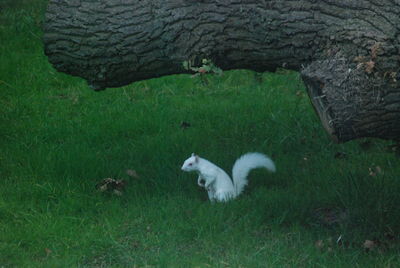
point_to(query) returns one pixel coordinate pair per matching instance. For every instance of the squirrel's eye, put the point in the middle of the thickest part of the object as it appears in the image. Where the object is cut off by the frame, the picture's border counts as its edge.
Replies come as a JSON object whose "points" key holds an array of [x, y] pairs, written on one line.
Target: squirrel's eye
{"points": [[190, 164]]}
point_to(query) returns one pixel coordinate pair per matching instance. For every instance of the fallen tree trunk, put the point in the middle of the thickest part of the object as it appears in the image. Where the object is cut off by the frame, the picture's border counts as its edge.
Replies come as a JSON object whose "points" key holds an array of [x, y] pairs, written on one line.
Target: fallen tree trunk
{"points": [[348, 52]]}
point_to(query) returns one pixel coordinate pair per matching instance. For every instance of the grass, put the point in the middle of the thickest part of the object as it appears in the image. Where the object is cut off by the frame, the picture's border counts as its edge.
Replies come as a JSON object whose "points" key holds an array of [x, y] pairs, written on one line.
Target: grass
{"points": [[58, 139]]}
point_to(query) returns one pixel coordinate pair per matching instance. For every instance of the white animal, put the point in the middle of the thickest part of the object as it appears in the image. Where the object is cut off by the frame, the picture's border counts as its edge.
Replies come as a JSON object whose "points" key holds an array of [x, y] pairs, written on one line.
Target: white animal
{"points": [[218, 184]]}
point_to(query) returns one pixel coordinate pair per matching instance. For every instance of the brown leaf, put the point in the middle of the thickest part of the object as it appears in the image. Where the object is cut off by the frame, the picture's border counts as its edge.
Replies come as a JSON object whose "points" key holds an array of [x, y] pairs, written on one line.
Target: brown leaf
{"points": [[359, 59], [185, 125], [369, 66], [48, 251], [132, 173], [371, 172], [374, 171], [319, 244], [111, 185], [369, 244], [103, 188], [390, 75], [360, 65], [119, 193], [375, 49]]}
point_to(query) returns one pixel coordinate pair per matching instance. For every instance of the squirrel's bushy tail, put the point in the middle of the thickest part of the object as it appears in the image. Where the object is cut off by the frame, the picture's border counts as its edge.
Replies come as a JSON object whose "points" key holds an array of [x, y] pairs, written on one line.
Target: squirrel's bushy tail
{"points": [[244, 164]]}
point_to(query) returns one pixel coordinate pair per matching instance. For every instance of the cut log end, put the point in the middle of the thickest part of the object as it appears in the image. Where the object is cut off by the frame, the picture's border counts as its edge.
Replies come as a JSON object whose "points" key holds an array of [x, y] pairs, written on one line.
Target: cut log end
{"points": [[321, 107], [352, 103]]}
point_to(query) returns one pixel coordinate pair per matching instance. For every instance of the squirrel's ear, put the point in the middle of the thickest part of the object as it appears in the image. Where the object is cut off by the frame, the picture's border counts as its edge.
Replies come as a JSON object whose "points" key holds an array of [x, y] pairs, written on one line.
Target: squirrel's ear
{"points": [[196, 158], [192, 154]]}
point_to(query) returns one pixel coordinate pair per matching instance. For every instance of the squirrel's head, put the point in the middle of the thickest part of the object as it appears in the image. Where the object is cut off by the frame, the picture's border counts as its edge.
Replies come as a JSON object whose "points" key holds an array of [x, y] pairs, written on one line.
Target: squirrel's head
{"points": [[190, 164]]}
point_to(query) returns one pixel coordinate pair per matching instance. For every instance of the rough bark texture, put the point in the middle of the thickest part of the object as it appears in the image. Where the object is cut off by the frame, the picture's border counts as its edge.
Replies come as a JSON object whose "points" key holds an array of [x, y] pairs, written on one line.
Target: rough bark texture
{"points": [[351, 103], [348, 52]]}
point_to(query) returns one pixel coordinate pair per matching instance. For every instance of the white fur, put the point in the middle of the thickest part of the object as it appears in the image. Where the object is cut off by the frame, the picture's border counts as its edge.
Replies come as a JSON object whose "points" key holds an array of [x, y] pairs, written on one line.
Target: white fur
{"points": [[218, 184]]}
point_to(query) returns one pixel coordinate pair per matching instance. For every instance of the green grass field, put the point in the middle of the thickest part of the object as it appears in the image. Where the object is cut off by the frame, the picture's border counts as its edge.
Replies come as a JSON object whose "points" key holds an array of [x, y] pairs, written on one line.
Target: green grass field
{"points": [[58, 139]]}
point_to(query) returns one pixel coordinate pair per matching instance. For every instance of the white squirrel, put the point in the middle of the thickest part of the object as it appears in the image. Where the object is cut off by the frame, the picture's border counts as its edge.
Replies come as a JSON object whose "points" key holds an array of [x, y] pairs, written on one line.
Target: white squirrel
{"points": [[218, 184]]}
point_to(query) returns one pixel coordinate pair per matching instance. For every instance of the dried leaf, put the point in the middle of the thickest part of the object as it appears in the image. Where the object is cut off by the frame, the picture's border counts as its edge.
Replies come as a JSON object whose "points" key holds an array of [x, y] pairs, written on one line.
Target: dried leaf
{"points": [[48, 251], [111, 185], [390, 75], [132, 173], [319, 244], [119, 193], [185, 125], [374, 171], [369, 66], [359, 59], [103, 188], [369, 244], [371, 172], [375, 49], [360, 65]]}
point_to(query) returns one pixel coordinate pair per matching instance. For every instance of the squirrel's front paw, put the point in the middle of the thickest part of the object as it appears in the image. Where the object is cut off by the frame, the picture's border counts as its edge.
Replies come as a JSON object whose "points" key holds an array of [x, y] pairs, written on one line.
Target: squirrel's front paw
{"points": [[202, 183]]}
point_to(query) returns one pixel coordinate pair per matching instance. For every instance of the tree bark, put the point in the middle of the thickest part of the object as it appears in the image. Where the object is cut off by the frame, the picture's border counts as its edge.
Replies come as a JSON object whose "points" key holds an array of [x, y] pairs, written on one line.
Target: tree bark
{"points": [[348, 52]]}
